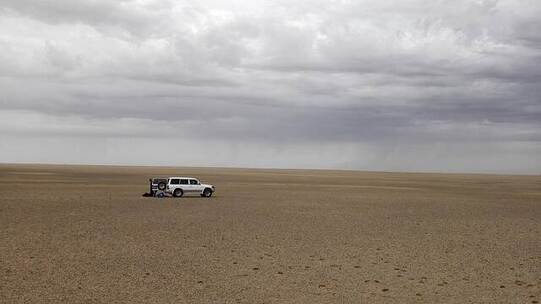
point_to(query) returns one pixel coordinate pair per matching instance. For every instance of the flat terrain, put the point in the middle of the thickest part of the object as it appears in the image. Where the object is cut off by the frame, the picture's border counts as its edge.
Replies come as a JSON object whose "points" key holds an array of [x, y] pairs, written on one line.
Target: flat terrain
{"points": [[84, 234]]}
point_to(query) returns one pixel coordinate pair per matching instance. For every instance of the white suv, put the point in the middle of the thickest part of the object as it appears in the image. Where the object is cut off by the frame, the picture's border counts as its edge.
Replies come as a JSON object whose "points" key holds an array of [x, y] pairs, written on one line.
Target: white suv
{"points": [[178, 186]]}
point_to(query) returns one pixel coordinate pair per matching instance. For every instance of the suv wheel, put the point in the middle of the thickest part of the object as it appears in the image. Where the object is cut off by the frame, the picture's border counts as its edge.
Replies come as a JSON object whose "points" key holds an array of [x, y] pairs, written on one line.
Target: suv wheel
{"points": [[178, 193], [207, 193], [161, 186]]}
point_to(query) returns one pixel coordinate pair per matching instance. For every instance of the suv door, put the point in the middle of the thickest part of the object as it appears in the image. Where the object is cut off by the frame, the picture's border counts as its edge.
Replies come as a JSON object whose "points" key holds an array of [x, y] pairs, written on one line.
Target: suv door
{"points": [[195, 186], [185, 185], [173, 184]]}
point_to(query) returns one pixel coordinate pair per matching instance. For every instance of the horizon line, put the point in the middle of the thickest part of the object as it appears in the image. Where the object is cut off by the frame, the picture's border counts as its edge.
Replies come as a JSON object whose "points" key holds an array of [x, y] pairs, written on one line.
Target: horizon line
{"points": [[265, 168]]}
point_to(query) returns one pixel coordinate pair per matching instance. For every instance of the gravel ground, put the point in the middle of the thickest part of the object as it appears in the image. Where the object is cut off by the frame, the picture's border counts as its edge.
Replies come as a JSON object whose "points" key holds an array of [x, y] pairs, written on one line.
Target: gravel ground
{"points": [[84, 234]]}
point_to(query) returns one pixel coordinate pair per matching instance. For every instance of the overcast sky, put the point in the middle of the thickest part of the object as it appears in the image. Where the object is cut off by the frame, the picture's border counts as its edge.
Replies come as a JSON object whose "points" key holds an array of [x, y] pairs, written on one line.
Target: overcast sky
{"points": [[407, 85]]}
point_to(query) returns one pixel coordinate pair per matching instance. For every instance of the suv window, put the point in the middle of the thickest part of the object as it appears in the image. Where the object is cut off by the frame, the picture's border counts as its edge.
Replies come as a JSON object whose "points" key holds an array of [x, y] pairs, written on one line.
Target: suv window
{"points": [[193, 182], [183, 181], [175, 181]]}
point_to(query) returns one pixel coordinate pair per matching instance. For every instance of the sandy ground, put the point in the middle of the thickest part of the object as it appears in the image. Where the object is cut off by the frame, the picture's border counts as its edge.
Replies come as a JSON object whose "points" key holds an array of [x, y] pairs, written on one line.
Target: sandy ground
{"points": [[84, 234]]}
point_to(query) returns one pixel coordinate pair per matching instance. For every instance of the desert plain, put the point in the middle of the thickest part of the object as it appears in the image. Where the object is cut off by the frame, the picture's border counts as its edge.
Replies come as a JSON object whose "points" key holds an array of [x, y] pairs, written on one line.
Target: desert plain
{"points": [[84, 234]]}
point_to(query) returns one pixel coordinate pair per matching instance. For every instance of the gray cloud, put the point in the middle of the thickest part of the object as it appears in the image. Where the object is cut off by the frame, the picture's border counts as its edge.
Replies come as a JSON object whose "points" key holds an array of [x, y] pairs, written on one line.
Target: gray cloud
{"points": [[366, 75]]}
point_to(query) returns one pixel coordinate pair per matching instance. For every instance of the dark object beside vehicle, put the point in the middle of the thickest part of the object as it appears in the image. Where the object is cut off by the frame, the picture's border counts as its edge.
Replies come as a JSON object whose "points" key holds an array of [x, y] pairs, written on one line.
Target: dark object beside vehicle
{"points": [[156, 187]]}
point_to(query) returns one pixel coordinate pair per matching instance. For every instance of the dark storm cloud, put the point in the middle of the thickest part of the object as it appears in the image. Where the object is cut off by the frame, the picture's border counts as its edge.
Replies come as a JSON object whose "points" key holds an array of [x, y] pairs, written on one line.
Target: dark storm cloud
{"points": [[302, 73]]}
